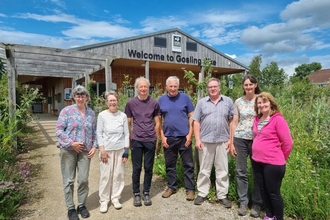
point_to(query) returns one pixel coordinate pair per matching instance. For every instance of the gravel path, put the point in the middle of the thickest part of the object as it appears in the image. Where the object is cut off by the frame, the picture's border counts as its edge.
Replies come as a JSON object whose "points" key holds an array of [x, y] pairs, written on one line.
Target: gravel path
{"points": [[46, 200]]}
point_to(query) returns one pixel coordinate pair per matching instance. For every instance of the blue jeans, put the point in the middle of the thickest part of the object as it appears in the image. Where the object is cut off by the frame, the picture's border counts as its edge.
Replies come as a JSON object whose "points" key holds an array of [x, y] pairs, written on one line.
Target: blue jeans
{"points": [[176, 146], [142, 149], [244, 150], [269, 178], [72, 162]]}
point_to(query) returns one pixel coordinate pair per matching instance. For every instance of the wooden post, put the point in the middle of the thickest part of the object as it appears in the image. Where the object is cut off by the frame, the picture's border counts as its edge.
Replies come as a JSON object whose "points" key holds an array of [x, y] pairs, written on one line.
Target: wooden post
{"points": [[200, 95], [146, 70], [87, 78], [10, 62], [108, 74]]}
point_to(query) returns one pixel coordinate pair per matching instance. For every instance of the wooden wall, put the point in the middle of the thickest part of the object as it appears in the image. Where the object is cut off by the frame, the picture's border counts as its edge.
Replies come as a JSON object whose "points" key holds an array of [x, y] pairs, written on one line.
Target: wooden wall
{"points": [[146, 44], [157, 76]]}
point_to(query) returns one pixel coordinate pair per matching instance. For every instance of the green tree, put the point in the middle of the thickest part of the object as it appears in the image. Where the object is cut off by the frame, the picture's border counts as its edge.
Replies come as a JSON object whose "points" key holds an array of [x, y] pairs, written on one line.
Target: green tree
{"points": [[305, 69], [271, 75], [255, 66]]}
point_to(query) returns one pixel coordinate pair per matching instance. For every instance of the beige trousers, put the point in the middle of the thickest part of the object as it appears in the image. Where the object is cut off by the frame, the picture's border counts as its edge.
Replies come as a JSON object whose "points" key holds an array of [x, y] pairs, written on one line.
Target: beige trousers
{"points": [[112, 176], [213, 154]]}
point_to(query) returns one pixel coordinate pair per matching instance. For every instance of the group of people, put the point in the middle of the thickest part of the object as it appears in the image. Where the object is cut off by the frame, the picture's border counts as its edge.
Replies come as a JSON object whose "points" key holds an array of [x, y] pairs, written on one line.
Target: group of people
{"points": [[252, 127]]}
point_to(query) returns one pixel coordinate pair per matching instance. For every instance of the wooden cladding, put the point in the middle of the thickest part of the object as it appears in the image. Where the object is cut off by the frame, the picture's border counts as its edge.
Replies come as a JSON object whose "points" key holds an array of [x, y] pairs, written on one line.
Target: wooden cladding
{"points": [[157, 76]]}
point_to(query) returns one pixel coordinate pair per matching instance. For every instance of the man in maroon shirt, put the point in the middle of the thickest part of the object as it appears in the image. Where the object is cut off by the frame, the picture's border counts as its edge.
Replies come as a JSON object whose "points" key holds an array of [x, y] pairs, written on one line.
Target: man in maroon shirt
{"points": [[143, 118]]}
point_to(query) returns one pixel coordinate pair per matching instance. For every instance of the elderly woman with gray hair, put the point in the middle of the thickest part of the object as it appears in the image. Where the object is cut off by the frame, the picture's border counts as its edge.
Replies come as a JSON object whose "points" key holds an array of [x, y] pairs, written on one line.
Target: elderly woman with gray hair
{"points": [[76, 133], [113, 139]]}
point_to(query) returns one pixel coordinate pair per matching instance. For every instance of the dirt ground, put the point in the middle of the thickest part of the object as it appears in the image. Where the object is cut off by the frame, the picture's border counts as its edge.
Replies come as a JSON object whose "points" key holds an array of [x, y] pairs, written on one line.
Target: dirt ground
{"points": [[46, 199]]}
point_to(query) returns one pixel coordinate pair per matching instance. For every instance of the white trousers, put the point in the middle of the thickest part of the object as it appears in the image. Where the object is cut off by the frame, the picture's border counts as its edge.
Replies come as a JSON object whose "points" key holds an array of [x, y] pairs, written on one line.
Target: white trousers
{"points": [[213, 154], [112, 176]]}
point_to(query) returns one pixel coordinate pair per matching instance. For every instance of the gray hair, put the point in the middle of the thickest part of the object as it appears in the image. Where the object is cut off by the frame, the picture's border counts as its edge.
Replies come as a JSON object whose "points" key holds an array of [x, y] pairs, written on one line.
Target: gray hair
{"points": [[172, 78], [111, 93], [213, 79], [80, 90], [137, 83]]}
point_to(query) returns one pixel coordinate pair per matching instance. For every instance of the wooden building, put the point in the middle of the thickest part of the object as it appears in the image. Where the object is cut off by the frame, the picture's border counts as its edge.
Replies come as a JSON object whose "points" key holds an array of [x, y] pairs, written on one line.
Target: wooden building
{"points": [[159, 55], [155, 56]]}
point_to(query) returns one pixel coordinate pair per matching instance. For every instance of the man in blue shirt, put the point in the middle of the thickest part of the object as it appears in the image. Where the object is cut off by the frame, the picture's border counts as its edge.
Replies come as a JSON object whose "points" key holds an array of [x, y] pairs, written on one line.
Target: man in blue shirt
{"points": [[176, 133]]}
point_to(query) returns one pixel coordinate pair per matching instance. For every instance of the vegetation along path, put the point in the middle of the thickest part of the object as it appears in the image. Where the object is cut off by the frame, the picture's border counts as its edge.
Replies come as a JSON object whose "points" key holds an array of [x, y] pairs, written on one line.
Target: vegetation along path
{"points": [[46, 200]]}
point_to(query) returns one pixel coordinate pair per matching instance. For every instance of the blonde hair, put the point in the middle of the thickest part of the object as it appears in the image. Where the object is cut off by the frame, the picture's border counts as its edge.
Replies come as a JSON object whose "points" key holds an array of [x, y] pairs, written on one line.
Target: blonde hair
{"points": [[266, 96]]}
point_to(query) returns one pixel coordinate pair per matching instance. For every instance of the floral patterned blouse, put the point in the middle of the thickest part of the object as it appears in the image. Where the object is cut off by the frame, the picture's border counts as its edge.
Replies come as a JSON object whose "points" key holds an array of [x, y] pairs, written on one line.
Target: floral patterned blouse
{"points": [[73, 127], [245, 111]]}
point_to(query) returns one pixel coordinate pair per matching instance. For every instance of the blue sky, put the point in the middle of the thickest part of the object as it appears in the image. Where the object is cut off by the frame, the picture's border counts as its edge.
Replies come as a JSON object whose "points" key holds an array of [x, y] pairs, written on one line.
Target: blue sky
{"points": [[287, 32]]}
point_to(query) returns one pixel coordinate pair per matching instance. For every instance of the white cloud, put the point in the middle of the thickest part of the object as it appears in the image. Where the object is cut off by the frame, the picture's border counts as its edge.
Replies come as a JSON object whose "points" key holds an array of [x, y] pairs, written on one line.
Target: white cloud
{"points": [[152, 24], [219, 17], [298, 32], [223, 38], [3, 15], [231, 55], [18, 37], [52, 18], [83, 28], [88, 30], [317, 10], [59, 3]]}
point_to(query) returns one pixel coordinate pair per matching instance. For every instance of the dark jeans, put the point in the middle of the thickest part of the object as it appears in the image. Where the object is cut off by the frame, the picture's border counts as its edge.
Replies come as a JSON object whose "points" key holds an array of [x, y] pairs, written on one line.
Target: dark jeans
{"points": [[176, 146], [244, 150], [140, 149], [269, 178]]}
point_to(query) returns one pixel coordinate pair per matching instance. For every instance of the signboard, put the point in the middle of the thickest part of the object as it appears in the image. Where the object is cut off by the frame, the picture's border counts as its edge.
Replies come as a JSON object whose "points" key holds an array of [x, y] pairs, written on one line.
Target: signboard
{"points": [[176, 43], [67, 93]]}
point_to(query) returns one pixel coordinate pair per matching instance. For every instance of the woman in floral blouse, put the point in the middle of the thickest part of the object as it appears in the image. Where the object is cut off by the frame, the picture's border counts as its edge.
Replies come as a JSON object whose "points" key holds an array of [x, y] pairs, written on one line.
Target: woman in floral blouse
{"points": [[241, 145], [76, 133]]}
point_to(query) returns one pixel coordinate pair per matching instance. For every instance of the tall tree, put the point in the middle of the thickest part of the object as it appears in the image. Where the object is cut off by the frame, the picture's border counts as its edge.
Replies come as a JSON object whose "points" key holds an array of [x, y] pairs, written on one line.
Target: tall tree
{"points": [[255, 66], [305, 69], [271, 75]]}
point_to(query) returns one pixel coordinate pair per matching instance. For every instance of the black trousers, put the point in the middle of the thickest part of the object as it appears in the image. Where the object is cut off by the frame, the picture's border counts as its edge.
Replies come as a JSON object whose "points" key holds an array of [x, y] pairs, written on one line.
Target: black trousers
{"points": [[269, 178], [176, 147], [142, 149]]}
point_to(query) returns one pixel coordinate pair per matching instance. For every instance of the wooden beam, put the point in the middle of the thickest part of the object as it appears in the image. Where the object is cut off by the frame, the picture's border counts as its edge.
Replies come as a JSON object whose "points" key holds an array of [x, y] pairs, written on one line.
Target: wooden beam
{"points": [[67, 65], [64, 59], [19, 48], [47, 72]]}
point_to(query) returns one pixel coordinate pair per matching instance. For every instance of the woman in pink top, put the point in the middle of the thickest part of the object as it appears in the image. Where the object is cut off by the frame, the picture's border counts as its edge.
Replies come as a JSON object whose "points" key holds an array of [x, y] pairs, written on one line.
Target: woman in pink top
{"points": [[271, 148]]}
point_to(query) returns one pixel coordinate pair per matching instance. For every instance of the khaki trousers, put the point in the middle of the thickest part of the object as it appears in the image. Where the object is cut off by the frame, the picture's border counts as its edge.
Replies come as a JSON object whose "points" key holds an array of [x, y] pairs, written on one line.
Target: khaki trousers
{"points": [[213, 154], [72, 163], [112, 176]]}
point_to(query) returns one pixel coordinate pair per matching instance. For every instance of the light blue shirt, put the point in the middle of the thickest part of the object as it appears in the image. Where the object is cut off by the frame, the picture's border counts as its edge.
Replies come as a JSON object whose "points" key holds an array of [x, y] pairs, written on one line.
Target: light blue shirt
{"points": [[214, 118]]}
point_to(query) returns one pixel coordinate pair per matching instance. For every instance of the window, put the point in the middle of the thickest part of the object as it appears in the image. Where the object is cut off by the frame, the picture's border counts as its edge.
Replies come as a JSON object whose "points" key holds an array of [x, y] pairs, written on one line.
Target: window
{"points": [[98, 88], [160, 41], [191, 46]]}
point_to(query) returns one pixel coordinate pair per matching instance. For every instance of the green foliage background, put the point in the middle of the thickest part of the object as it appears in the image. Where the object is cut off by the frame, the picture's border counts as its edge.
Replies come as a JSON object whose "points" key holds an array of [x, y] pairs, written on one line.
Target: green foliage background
{"points": [[13, 173]]}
